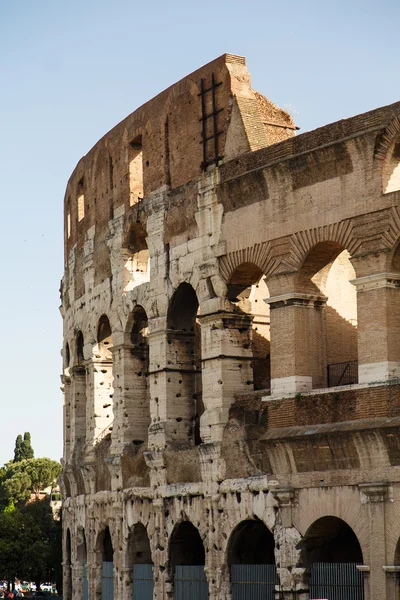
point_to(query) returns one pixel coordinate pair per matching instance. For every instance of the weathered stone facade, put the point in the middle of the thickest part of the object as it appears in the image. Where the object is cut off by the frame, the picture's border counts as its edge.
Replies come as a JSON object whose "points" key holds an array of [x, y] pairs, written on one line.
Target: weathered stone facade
{"points": [[223, 280]]}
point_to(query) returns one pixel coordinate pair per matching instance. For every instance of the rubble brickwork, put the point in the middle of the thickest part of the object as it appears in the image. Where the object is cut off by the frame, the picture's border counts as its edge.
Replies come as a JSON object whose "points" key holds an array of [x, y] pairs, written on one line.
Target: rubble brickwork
{"points": [[231, 356]]}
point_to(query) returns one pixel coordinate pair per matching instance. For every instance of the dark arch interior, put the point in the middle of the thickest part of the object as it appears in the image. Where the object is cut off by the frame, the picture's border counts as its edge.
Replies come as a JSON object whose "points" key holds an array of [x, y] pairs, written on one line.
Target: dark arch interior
{"points": [[82, 549], [139, 328], [68, 546], [137, 238], [186, 546], [139, 546], [107, 547], [243, 277], [251, 543], [67, 355], [330, 540], [183, 308], [79, 346], [104, 330]]}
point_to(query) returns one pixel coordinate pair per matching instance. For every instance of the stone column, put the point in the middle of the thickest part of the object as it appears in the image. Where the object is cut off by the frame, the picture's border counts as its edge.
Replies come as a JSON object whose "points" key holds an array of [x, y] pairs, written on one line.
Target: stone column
{"points": [[374, 495], [293, 578], [172, 378], [99, 399], [66, 382], [298, 343], [77, 580], [392, 582], [78, 404], [131, 397], [365, 570], [226, 368], [378, 309]]}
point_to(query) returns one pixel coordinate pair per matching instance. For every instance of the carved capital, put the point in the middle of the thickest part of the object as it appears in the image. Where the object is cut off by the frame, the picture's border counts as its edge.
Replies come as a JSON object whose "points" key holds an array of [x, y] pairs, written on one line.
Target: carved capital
{"points": [[375, 492]]}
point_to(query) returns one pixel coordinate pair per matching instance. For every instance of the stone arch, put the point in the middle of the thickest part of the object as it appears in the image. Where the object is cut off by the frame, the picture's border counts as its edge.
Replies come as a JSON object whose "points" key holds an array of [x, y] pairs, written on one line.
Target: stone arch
{"points": [[251, 542], [186, 546], [67, 356], [81, 546], [387, 156], [79, 346], [139, 550], [102, 379], [330, 539], [324, 281], [135, 257], [104, 545], [247, 290], [136, 392], [79, 396], [184, 356]]}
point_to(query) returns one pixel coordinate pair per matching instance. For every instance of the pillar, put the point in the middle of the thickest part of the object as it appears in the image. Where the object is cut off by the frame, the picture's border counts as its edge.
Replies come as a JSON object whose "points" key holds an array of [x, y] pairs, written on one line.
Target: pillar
{"points": [[298, 343], [226, 368], [375, 494], [78, 405], [172, 378], [378, 308], [392, 582]]}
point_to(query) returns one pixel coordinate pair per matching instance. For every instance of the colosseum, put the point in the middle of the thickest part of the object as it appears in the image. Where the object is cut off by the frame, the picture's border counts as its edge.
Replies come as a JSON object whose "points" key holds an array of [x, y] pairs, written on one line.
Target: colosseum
{"points": [[231, 356]]}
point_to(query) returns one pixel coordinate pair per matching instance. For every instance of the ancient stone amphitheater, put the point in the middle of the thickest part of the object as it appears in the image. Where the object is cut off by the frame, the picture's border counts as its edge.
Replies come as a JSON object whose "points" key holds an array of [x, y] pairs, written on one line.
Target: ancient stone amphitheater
{"points": [[231, 357]]}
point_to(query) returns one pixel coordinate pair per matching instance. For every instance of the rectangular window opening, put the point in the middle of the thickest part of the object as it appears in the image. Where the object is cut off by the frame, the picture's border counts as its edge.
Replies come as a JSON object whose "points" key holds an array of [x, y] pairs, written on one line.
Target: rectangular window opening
{"points": [[135, 170]]}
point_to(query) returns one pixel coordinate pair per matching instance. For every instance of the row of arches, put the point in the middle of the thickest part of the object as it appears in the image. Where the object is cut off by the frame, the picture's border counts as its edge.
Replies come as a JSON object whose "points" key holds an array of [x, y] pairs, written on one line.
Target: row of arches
{"points": [[331, 339], [251, 549]]}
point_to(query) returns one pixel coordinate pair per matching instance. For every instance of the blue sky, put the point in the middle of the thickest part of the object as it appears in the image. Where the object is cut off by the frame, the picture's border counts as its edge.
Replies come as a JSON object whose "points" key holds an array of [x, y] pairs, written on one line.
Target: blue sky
{"points": [[71, 70]]}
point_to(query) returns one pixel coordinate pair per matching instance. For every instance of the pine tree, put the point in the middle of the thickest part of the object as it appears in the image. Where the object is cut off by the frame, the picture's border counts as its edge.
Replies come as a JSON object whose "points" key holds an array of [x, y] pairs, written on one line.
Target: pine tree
{"points": [[23, 448], [18, 451], [27, 446]]}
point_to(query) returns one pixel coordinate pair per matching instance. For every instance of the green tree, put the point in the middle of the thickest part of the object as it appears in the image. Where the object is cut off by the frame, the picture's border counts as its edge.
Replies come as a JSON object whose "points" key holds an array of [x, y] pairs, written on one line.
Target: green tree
{"points": [[42, 472], [18, 480], [18, 452], [27, 446], [23, 447]]}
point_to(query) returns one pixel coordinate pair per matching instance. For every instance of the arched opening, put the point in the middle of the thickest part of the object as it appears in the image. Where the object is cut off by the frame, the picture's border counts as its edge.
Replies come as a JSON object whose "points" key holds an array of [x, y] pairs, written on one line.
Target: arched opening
{"points": [[186, 562], [135, 152], [391, 169], [140, 563], [106, 552], [68, 567], [103, 380], [251, 560], [184, 358], [331, 550], [78, 433], [136, 393], [67, 356], [247, 290], [136, 258], [331, 327], [79, 348]]}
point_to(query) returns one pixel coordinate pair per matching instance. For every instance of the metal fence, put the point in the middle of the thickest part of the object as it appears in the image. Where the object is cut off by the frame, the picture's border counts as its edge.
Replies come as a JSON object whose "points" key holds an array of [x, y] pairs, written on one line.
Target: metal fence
{"points": [[336, 581], [107, 581], [142, 582], [190, 583], [345, 373], [253, 582]]}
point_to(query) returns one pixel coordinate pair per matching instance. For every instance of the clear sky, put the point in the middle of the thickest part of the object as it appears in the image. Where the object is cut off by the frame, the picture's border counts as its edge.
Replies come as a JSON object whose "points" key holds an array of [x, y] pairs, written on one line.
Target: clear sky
{"points": [[71, 70]]}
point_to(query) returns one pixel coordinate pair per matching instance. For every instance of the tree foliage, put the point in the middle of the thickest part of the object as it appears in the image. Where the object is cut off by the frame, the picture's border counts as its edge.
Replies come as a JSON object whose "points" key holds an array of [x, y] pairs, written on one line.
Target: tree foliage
{"points": [[23, 447], [18, 480], [29, 540]]}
